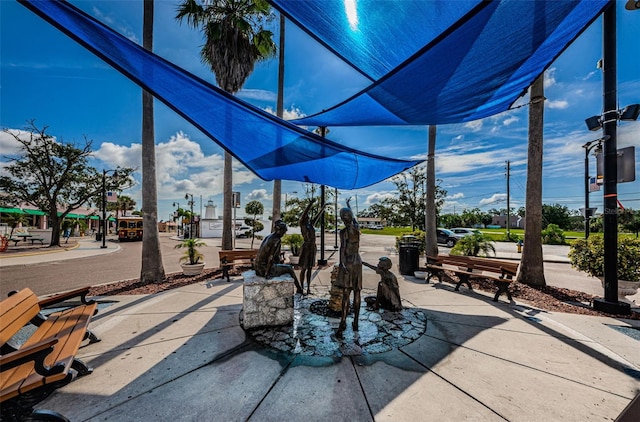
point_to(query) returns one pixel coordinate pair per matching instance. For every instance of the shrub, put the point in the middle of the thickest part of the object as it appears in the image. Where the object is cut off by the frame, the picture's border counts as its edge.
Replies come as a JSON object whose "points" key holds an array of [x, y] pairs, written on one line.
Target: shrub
{"points": [[553, 235], [474, 245], [295, 241], [588, 256], [420, 238]]}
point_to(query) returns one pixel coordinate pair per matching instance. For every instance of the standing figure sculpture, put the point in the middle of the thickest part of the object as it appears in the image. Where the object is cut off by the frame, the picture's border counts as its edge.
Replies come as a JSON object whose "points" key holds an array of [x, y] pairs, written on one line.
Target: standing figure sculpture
{"points": [[350, 274], [268, 262], [308, 250], [388, 295]]}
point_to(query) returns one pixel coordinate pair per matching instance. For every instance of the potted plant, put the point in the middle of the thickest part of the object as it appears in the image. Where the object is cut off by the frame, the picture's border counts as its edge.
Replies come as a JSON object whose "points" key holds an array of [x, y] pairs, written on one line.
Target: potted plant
{"points": [[588, 256], [190, 260], [294, 241]]}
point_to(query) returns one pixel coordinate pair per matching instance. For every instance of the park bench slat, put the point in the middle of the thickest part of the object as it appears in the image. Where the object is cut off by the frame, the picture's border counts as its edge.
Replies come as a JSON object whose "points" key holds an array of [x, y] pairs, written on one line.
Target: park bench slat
{"points": [[44, 361]]}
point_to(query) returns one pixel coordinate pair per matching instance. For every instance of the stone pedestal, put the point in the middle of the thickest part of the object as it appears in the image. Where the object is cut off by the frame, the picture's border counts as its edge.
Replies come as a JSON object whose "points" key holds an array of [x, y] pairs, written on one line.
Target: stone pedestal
{"points": [[267, 302]]}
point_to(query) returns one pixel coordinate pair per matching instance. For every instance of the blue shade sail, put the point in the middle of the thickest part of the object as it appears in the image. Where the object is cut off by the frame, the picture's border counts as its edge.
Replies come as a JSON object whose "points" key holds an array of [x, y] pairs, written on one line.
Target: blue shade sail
{"points": [[376, 36], [475, 68], [270, 147]]}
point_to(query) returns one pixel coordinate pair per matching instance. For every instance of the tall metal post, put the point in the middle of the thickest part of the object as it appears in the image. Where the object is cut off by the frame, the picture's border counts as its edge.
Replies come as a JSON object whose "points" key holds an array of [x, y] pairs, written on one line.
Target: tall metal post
{"points": [[104, 209], [586, 192], [610, 303], [322, 260]]}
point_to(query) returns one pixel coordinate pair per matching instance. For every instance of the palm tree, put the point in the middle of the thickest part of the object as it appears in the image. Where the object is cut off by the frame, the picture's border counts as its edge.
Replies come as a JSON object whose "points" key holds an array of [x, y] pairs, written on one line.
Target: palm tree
{"points": [[531, 265], [431, 246], [152, 270], [235, 40]]}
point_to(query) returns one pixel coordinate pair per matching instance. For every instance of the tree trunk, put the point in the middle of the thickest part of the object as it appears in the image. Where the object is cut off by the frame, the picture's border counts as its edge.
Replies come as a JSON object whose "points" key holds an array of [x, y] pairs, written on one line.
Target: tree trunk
{"points": [[54, 221], [152, 270], [431, 245], [532, 265], [277, 184], [227, 240]]}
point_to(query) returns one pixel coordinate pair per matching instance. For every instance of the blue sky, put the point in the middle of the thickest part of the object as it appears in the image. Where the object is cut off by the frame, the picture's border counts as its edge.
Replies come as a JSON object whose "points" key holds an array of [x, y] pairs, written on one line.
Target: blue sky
{"points": [[46, 76]]}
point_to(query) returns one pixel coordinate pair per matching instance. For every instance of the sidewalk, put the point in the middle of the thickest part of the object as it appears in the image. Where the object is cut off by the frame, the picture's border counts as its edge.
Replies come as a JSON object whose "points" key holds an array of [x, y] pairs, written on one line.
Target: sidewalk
{"points": [[182, 355]]}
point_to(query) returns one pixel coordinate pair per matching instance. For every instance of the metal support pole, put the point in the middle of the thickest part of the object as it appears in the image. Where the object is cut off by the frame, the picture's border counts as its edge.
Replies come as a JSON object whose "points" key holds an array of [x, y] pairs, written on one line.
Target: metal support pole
{"points": [[586, 192], [104, 209], [322, 260], [610, 303]]}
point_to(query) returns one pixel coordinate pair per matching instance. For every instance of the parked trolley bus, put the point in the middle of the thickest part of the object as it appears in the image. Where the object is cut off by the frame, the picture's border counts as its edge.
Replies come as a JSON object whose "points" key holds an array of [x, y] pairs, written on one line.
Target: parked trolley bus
{"points": [[129, 228]]}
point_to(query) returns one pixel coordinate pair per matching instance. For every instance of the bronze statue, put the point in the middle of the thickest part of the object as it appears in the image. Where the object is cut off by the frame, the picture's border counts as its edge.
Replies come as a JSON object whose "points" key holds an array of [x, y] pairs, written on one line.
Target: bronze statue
{"points": [[350, 275], [388, 296], [308, 250], [268, 262]]}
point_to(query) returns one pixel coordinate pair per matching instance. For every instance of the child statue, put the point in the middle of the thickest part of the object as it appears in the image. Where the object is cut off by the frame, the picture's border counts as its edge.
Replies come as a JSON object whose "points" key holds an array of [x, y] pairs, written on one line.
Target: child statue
{"points": [[388, 296]]}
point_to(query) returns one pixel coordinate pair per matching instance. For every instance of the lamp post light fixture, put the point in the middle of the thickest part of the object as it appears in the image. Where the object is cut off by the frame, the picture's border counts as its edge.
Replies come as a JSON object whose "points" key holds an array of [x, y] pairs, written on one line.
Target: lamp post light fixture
{"points": [[177, 214], [104, 205], [588, 212], [190, 203]]}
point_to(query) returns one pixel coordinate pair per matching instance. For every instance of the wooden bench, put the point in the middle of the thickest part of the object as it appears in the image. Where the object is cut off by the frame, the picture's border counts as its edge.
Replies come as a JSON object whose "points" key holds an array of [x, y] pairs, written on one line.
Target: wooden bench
{"points": [[31, 371], [236, 258], [465, 267]]}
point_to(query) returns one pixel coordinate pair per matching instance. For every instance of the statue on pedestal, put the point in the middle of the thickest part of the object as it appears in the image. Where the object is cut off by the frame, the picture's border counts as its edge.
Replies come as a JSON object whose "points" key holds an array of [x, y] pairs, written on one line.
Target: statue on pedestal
{"points": [[268, 263], [388, 296], [350, 272]]}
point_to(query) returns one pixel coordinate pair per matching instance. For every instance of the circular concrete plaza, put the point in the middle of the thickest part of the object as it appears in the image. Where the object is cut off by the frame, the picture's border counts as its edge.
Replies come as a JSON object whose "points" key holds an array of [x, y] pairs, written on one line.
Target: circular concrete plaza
{"points": [[314, 325]]}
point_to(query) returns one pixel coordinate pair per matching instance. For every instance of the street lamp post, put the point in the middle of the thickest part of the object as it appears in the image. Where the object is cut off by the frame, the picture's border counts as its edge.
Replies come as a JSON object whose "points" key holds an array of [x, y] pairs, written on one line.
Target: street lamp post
{"points": [[177, 204], [104, 205], [588, 212], [190, 203]]}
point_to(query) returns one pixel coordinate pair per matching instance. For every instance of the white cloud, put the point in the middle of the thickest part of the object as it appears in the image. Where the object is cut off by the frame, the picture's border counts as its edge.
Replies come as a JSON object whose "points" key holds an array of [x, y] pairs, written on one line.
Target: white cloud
{"points": [[558, 104], [458, 195], [258, 195], [550, 77], [257, 94], [378, 197], [510, 120], [288, 114], [495, 198], [475, 126], [181, 167], [123, 29]]}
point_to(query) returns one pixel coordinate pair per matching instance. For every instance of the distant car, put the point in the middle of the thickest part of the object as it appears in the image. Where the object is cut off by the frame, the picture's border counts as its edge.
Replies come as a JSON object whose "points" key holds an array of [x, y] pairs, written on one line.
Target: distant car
{"points": [[377, 227], [243, 231], [446, 237], [462, 231]]}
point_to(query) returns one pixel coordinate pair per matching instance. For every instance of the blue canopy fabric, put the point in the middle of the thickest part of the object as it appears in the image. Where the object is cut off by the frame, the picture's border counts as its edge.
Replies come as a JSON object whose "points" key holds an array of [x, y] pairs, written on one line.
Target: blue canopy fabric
{"points": [[375, 36], [270, 147], [469, 68]]}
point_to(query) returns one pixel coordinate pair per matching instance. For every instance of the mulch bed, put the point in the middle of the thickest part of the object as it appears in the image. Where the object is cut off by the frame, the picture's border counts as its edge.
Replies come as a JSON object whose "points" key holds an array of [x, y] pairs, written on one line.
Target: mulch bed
{"points": [[548, 298]]}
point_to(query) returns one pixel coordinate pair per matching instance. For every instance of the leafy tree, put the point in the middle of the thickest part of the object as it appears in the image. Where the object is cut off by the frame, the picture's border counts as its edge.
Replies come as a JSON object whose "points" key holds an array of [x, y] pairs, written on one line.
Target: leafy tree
{"points": [[51, 174], [556, 214], [235, 39], [596, 224], [295, 206], [471, 217], [125, 203], [630, 220], [450, 220], [152, 270], [409, 206], [379, 210], [254, 208]]}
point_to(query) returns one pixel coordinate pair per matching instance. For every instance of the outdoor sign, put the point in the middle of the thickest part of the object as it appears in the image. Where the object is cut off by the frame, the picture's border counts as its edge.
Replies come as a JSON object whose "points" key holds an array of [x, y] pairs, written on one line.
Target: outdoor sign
{"points": [[626, 165], [236, 200]]}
